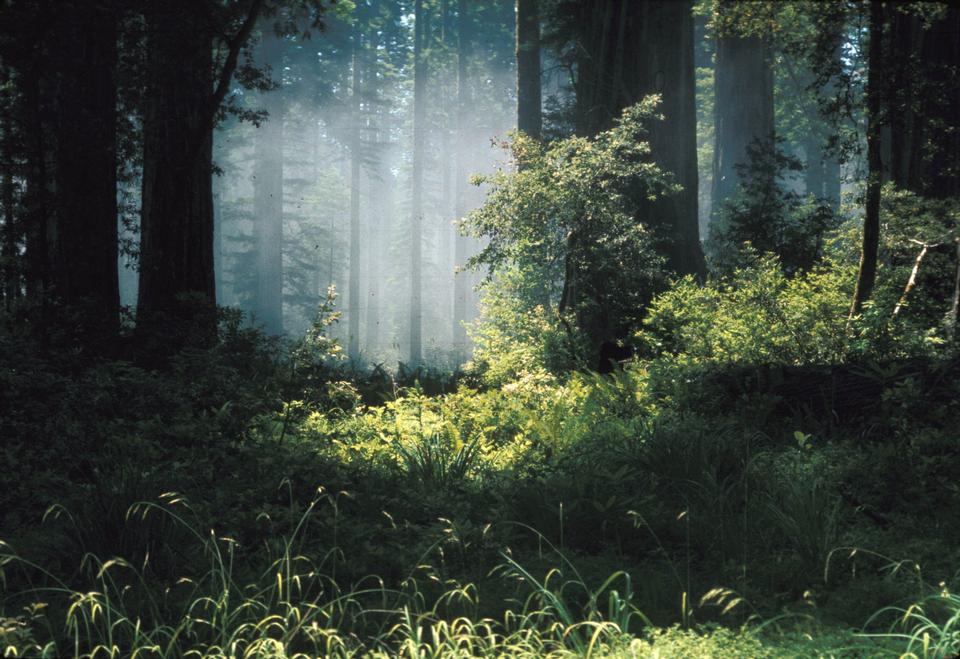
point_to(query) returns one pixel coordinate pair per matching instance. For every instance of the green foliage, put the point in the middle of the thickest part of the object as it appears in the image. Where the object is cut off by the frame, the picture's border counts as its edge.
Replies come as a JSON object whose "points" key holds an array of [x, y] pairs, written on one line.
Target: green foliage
{"points": [[564, 237], [930, 628], [652, 493], [759, 316], [768, 217]]}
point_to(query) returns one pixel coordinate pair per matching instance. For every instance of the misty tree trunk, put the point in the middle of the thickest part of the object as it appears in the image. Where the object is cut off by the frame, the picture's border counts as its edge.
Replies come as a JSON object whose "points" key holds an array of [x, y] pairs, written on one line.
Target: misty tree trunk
{"points": [[381, 227], [416, 210], [268, 194], [867, 273], [814, 175], [743, 108], [445, 263], [176, 230], [667, 64], [529, 119], [461, 285], [354, 308], [832, 182], [381, 203]]}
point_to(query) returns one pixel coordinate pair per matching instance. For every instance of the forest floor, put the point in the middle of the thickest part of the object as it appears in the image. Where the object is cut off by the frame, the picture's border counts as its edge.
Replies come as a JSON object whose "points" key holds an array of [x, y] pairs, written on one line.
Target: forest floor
{"points": [[221, 507]]}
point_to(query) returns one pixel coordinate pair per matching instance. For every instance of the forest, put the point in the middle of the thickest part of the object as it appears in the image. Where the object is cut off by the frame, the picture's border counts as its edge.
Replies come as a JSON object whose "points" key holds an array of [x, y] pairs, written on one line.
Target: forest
{"points": [[480, 328]]}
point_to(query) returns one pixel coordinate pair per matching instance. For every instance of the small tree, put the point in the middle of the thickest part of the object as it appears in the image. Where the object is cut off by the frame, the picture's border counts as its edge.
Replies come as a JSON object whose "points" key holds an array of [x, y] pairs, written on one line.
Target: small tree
{"points": [[563, 234]]}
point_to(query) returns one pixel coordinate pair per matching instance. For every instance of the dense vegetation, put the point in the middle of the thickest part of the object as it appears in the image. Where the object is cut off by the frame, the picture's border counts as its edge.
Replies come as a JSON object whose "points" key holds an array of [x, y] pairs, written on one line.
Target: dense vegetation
{"points": [[659, 447]]}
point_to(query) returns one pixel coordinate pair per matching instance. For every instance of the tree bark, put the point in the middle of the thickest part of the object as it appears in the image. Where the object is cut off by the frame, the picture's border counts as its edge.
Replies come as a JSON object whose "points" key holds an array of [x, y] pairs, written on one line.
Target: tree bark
{"points": [[354, 300], [36, 217], [85, 250], [176, 230], [10, 248], [923, 139], [416, 209], [461, 284], [631, 49], [381, 201], [176, 245], [445, 249], [667, 62], [869, 249], [268, 193], [529, 118]]}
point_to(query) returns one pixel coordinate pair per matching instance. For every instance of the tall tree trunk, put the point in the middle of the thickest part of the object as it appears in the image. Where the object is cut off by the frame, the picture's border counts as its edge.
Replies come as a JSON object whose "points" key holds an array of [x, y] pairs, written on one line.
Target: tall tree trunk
{"points": [[461, 285], [924, 139], [529, 119], [37, 181], [646, 47], [667, 65], [268, 193], [871, 221], [355, 302], [445, 262], [85, 249], [743, 107], [9, 251], [380, 195], [176, 229], [218, 236], [416, 210]]}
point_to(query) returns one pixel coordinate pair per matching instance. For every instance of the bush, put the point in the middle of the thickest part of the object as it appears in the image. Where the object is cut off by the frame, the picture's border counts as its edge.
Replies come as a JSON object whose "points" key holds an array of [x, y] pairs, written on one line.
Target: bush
{"points": [[759, 316]]}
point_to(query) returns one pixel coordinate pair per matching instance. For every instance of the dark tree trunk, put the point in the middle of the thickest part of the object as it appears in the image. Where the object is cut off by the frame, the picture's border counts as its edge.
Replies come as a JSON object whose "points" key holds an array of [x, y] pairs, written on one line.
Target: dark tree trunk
{"points": [[355, 305], [177, 291], [871, 221], [268, 194], [529, 119], [36, 218], [461, 284], [85, 246], [176, 230], [416, 210], [922, 62], [631, 49], [743, 108], [667, 62], [10, 248], [218, 235]]}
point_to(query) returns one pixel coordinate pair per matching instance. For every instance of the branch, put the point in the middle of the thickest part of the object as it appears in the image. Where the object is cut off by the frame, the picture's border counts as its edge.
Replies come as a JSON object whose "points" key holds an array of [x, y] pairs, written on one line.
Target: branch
{"points": [[913, 274], [233, 53]]}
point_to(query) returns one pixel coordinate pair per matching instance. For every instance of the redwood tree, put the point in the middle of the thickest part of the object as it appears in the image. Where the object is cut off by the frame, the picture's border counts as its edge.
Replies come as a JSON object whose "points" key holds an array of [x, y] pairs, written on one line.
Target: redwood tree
{"points": [[529, 118], [743, 103], [180, 110], [268, 193], [629, 49]]}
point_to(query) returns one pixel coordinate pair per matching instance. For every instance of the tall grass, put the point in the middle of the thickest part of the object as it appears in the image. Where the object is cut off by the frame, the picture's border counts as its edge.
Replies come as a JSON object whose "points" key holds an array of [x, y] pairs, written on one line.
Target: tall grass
{"points": [[291, 609], [927, 629]]}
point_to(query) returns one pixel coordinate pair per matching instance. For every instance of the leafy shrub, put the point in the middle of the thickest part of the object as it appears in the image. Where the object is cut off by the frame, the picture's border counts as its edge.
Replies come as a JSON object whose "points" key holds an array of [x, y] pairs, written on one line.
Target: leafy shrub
{"points": [[765, 216], [564, 237], [760, 316]]}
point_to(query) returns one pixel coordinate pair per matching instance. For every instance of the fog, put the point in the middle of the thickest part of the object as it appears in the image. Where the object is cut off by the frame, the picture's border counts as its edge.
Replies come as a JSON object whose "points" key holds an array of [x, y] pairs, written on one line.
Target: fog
{"points": [[330, 149]]}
